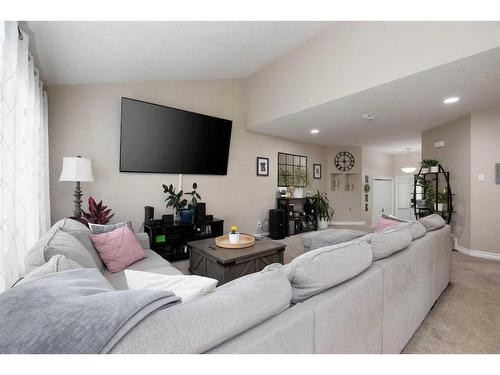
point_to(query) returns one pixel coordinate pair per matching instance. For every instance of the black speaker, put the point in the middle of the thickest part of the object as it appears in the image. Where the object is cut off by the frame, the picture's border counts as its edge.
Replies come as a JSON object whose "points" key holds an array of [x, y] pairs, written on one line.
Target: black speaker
{"points": [[200, 212], [277, 221], [149, 214], [168, 219]]}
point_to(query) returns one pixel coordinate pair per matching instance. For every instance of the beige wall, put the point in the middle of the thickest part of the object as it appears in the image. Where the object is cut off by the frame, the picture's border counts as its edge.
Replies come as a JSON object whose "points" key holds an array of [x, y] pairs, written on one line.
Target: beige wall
{"points": [[349, 57], [485, 196], [455, 158], [347, 204], [350, 206], [375, 164], [85, 120]]}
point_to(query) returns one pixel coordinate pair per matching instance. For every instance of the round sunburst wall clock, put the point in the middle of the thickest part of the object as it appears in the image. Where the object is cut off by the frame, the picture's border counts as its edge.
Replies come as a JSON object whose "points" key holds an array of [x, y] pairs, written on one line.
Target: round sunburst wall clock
{"points": [[344, 161]]}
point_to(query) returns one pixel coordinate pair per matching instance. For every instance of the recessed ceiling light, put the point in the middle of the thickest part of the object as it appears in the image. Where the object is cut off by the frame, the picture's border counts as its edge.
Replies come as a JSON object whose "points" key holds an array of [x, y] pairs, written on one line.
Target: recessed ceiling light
{"points": [[314, 131], [451, 100]]}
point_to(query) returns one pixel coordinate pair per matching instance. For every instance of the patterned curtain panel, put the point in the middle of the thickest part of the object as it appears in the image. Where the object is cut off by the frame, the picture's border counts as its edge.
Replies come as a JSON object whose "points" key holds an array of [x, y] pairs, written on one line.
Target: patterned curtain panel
{"points": [[24, 172]]}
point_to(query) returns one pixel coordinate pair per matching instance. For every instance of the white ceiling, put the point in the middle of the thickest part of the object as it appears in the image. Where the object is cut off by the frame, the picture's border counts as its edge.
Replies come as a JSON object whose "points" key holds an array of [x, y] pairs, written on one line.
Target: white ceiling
{"points": [[402, 108], [96, 52]]}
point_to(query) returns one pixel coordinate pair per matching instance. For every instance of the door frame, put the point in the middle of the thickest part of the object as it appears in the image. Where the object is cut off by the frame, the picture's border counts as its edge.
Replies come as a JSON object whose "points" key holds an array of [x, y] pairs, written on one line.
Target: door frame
{"points": [[393, 202], [396, 194]]}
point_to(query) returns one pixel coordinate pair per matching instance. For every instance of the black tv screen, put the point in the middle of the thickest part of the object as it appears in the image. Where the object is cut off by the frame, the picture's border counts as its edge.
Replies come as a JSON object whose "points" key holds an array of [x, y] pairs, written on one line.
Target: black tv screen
{"points": [[159, 139]]}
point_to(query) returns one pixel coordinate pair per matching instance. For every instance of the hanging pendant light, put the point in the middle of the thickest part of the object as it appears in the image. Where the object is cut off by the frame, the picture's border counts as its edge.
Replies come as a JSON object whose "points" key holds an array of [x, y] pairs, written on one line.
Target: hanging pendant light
{"points": [[408, 168]]}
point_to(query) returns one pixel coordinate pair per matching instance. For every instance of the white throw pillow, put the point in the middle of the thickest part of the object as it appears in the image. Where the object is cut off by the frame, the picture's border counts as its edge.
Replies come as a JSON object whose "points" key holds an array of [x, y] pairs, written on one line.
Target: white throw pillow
{"points": [[188, 287]]}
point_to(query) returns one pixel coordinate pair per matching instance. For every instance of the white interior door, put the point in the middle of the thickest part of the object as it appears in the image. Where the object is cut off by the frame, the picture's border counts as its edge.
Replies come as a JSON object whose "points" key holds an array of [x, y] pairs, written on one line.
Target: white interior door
{"points": [[404, 191], [382, 197]]}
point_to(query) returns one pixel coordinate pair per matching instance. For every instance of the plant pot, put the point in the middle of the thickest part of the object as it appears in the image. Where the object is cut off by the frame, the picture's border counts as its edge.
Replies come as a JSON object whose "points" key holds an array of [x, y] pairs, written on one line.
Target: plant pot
{"points": [[440, 207], [234, 237], [298, 192], [186, 216], [435, 169], [322, 224], [424, 170]]}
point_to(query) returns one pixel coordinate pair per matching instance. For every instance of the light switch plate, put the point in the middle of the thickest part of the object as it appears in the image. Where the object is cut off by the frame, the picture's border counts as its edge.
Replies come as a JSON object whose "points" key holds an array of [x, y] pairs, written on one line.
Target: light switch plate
{"points": [[480, 178]]}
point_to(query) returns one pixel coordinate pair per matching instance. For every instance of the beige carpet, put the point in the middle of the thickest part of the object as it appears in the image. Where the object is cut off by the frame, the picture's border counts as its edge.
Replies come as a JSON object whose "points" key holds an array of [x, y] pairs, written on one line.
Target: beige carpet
{"points": [[465, 319]]}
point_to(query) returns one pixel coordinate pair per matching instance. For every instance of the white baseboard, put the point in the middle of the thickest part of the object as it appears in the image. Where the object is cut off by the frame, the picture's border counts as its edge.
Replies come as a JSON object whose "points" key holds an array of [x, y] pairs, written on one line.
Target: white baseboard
{"points": [[474, 253]]}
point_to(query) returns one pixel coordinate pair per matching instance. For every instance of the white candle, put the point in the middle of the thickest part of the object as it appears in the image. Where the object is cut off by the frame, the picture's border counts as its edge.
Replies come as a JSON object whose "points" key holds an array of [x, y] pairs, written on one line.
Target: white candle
{"points": [[179, 186]]}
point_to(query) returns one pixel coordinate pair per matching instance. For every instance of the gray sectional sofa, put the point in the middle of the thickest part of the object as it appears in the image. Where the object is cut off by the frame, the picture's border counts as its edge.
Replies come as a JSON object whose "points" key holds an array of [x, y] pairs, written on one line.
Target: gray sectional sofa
{"points": [[335, 299]]}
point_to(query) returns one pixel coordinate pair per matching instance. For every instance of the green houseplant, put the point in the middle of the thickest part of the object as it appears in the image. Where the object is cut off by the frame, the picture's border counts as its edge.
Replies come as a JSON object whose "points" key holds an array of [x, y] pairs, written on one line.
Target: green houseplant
{"points": [[182, 206], [324, 212], [429, 165], [301, 180], [441, 200]]}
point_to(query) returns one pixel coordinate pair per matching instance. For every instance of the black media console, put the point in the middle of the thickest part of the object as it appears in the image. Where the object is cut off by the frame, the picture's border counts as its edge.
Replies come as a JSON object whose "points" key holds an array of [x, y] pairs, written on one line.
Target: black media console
{"points": [[170, 240]]}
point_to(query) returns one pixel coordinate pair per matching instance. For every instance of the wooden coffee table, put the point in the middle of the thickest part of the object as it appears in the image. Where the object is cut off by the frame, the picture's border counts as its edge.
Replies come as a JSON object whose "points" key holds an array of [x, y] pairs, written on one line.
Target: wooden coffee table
{"points": [[207, 259]]}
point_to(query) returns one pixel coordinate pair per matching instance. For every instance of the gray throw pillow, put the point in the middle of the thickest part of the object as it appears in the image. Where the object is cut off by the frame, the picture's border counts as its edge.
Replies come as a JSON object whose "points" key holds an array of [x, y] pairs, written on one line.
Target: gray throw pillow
{"points": [[432, 222], [322, 238], [416, 229], [101, 228], [390, 241], [57, 263], [54, 243], [320, 269], [84, 237]]}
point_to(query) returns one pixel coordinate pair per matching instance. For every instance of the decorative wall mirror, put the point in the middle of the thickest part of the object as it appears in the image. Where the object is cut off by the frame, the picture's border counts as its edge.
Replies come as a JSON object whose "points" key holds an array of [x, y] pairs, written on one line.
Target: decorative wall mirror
{"points": [[292, 170]]}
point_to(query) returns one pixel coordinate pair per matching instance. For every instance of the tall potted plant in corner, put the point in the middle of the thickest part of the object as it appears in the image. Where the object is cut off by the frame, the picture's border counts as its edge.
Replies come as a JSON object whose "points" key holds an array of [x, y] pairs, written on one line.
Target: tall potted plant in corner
{"points": [[182, 206], [324, 212]]}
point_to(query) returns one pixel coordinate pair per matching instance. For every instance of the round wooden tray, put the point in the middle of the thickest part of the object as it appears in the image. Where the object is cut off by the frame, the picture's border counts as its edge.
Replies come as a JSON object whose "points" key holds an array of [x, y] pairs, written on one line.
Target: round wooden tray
{"points": [[245, 241]]}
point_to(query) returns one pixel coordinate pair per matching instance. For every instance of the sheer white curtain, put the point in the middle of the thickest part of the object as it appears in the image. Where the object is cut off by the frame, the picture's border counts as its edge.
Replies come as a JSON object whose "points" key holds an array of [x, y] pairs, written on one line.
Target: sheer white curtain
{"points": [[24, 180]]}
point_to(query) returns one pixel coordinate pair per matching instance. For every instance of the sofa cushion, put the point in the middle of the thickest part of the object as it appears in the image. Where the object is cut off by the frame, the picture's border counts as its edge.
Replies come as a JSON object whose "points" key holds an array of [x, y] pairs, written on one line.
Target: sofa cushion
{"points": [[83, 235], [57, 263], [68, 223], [290, 332], [348, 317], [118, 248], [416, 229], [323, 268], [199, 325], [390, 241], [432, 222], [143, 239], [56, 242], [152, 263], [328, 237]]}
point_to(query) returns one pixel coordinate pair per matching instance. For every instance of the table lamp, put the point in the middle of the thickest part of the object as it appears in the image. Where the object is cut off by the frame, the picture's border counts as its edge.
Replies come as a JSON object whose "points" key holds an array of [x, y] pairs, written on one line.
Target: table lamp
{"points": [[77, 169]]}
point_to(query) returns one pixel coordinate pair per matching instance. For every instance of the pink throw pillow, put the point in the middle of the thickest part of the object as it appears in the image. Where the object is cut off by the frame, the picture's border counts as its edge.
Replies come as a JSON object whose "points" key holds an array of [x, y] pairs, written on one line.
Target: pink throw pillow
{"points": [[384, 224], [118, 249]]}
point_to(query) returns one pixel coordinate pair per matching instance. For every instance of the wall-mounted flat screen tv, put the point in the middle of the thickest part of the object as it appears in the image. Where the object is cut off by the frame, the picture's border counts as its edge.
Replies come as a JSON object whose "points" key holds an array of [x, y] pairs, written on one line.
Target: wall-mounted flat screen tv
{"points": [[159, 139]]}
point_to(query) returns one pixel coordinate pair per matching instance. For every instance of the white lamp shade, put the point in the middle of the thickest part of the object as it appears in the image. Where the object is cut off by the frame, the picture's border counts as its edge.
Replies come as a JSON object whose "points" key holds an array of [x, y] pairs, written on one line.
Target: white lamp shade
{"points": [[409, 169], [77, 169]]}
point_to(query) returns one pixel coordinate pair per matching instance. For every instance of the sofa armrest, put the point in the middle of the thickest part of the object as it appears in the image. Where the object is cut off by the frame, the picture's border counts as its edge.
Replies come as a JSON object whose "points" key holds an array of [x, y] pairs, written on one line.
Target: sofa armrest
{"points": [[143, 239]]}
